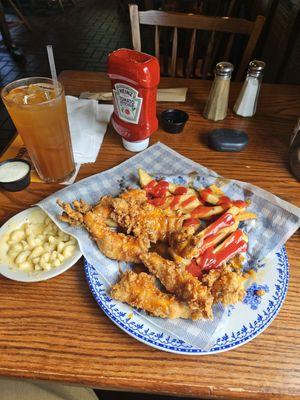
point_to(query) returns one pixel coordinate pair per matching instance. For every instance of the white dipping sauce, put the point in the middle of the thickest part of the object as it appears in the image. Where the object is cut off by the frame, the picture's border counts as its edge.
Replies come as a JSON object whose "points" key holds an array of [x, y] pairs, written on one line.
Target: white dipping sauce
{"points": [[12, 171]]}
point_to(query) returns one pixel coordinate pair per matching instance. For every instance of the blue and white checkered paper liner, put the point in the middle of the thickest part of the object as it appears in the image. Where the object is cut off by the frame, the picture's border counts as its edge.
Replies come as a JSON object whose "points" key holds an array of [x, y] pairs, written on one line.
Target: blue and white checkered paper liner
{"points": [[277, 221]]}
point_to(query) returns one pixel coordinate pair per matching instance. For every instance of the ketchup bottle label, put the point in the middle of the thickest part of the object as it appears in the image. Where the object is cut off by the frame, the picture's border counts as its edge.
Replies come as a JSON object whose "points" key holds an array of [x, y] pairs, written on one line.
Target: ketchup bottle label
{"points": [[128, 103]]}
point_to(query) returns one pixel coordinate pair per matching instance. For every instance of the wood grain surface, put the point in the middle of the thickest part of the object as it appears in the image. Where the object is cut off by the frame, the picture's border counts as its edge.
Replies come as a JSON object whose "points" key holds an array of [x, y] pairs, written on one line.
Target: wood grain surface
{"points": [[54, 330]]}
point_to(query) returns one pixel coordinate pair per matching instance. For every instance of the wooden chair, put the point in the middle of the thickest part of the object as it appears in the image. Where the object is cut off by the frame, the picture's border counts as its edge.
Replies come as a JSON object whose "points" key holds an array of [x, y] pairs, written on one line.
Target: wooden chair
{"points": [[22, 20], [195, 23]]}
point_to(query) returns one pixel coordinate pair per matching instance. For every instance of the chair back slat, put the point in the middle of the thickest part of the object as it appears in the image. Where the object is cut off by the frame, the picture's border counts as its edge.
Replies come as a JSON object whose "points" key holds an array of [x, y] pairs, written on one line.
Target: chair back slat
{"points": [[135, 28], [230, 7], [190, 62], [209, 55], [174, 52], [157, 42], [258, 25], [228, 47]]}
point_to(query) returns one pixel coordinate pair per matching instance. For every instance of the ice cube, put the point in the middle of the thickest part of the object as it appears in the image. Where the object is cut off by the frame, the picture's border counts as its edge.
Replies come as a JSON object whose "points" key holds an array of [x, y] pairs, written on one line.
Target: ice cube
{"points": [[33, 94], [17, 95], [41, 91]]}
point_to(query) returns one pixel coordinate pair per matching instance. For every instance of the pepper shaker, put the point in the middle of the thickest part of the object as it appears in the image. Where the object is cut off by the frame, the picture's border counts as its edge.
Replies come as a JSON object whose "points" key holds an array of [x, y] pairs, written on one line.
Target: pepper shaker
{"points": [[217, 103], [246, 103]]}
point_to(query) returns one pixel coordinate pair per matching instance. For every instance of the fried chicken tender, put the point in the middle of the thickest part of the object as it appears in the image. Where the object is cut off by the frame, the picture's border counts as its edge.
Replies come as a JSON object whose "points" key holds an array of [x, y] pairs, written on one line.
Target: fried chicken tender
{"points": [[114, 245], [143, 219], [136, 195], [226, 284], [118, 246], [139, 290], [178, 281]]}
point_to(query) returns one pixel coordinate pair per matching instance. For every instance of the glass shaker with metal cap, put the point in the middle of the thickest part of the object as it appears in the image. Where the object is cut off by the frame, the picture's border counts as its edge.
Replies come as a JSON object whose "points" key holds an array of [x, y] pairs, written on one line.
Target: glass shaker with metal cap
{"points": [[217, 103], [246, 103]]}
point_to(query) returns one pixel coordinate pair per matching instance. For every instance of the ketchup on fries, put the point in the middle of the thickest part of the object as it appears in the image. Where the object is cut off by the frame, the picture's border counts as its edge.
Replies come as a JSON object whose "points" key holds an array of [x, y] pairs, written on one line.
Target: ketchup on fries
{"points": [[221, 239]]}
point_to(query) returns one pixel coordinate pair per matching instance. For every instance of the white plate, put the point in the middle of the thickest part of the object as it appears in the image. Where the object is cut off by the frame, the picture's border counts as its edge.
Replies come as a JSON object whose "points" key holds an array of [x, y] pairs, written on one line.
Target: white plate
{"points": [[13, 272], [246, 320]]}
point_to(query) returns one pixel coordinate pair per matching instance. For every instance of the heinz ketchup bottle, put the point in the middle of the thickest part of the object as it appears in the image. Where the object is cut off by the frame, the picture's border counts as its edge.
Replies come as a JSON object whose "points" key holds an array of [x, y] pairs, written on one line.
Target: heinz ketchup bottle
{"points": [[134, 78]]}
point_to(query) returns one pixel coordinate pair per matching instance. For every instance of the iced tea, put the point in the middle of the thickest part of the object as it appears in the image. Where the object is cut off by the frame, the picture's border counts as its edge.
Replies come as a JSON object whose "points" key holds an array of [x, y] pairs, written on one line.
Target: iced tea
{"points": [[40, 116]]}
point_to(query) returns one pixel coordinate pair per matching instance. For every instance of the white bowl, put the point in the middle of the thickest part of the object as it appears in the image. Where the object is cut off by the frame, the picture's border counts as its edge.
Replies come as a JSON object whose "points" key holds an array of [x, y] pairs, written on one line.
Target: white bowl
{"points": [[12, 272]]}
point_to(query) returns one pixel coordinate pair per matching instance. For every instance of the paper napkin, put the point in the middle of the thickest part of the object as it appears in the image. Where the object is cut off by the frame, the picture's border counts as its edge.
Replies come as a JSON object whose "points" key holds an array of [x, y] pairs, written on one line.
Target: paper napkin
{"points": [[88, 122]]}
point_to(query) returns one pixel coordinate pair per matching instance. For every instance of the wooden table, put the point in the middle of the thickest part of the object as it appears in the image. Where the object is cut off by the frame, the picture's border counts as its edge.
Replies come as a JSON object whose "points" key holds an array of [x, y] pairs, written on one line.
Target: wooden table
{"points": [[55, 331]]}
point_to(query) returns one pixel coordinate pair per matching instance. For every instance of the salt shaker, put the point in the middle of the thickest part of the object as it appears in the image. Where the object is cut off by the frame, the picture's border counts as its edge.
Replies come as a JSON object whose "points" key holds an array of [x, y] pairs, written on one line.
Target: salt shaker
{"points": [[246, 103], [217, 103]]}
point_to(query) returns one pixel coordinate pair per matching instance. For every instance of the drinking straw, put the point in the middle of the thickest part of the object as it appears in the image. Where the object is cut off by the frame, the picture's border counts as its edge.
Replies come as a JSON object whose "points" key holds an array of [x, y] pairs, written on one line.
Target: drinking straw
{"points": [[52, 67]]}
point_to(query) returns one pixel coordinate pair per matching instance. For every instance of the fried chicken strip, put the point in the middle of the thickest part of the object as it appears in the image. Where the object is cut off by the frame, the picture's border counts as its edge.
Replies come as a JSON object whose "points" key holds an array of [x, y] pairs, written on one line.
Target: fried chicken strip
{"points": [[226, 284], [178, 281], [118, 246], [144, 219], [139, 290], [130, 211], [114, 245]]}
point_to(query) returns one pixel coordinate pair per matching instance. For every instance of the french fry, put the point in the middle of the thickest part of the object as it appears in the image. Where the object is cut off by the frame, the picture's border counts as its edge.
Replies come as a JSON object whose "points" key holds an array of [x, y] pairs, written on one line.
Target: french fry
{"points": [[184, 202], [238, 235], [240, 205], [243, 216], [226, 223], [209, 197], [216, 190], [213, 240], [173, 188], [234, 244], [203, 212], [195, 222], [225, 220], [189, 204], [144, 177]]}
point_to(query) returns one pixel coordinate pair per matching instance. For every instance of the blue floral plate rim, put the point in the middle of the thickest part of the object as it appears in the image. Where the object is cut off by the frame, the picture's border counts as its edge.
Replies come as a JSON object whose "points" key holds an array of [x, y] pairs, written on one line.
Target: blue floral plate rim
{"points": [[165, 342]]}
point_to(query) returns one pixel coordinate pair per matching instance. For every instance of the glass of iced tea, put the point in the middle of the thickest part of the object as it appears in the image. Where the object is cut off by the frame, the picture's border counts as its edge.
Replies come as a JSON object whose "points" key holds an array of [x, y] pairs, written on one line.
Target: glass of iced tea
{"points": [[38, 110]]}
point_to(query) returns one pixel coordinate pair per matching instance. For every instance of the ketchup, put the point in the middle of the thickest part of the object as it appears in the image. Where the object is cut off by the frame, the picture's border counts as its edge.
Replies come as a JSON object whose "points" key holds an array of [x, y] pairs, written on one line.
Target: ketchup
{"points": [[224, 221], [204, 211], [157, 189], [188, 201], [150, 186], [224, 200], [160, 190], [205, 193], [134, 78], [159, 201], [194, 269], [233, 245], [180, 190], [240, 203], [191, 221], [175, 201]]}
